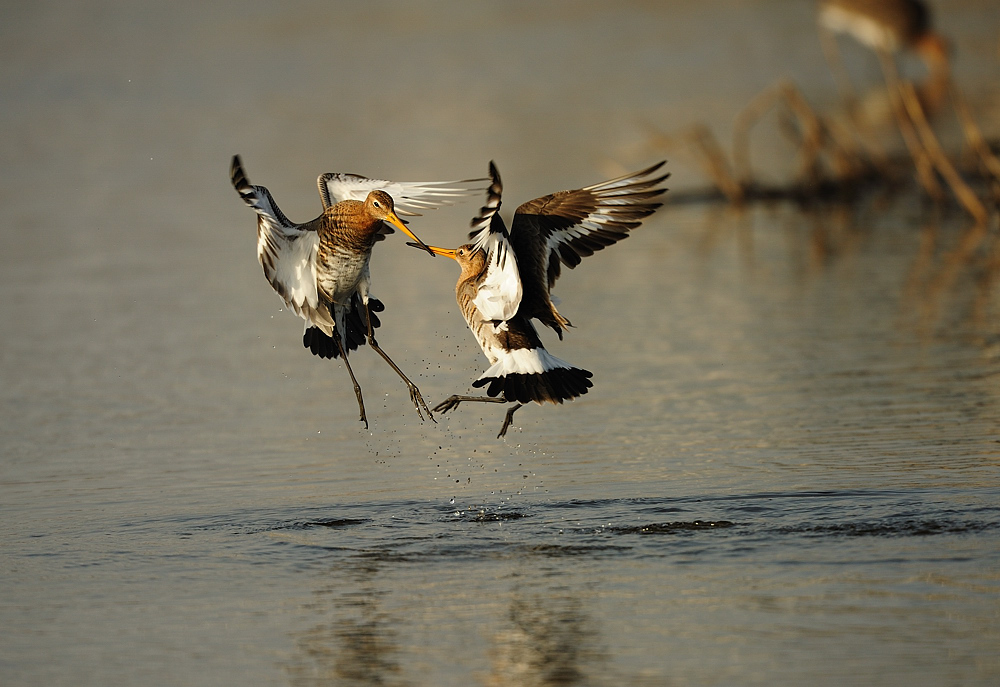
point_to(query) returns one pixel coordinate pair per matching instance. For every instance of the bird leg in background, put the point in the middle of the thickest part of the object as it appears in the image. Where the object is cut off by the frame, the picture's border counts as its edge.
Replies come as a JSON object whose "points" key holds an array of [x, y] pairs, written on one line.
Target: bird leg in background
{"points": [[453, 401], [869, 141], [415, 397], [357, 387], [930, 142], [921, 158], [974, 138], [828, 41], [812, 132]]}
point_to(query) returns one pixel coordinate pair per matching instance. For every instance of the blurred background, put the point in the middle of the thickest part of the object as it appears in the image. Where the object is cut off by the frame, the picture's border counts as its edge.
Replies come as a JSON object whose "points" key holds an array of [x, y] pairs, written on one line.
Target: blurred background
{"points": [[787, 470]]}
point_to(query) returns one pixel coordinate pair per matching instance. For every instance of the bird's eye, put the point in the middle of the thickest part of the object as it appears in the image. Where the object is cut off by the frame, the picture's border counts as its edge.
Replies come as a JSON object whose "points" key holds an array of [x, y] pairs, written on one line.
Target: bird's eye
{"points": [[377, 204]]}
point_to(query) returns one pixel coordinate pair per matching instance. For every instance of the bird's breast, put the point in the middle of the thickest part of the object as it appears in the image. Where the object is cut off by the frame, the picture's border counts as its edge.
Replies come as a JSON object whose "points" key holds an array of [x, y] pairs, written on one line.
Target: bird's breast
{"points": [[339, 270], [484, 330]]}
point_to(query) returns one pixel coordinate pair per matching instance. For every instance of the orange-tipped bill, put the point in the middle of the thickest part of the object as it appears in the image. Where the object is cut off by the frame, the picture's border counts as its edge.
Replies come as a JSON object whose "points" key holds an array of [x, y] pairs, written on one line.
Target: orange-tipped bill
{"points": [[398, 223], [434, 250]]}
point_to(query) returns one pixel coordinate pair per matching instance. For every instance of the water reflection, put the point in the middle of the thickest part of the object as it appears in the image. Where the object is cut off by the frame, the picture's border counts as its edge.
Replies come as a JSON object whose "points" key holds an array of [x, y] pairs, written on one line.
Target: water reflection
{"points": [[539, 633], [950, 273], [355, 642], [545, 639], [950, 283]]}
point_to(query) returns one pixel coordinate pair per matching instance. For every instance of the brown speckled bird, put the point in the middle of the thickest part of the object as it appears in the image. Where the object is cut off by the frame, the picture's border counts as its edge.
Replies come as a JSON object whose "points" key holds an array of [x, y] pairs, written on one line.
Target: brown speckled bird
{"points": [[506, 281], [320, 268], [888, 27], [892, 25]]}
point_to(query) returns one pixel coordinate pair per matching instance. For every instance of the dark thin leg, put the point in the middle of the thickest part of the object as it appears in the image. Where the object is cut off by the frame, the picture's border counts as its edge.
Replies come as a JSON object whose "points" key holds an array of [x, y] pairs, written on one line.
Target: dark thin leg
{"points": [[415, 397], [357, 387], [453, 401], [507, 420]]}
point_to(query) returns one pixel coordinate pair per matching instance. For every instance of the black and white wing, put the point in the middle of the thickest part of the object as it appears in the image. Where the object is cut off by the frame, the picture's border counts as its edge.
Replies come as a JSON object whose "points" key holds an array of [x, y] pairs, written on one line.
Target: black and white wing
{"points": [[500, 291], [409, 197], [286, 251], [565, 227]]}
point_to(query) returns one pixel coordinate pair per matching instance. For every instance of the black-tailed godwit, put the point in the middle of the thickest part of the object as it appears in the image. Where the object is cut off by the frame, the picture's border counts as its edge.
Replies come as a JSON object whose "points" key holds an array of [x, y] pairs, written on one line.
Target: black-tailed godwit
{"points": [[321, 268], [889, 27], [506, 281]]}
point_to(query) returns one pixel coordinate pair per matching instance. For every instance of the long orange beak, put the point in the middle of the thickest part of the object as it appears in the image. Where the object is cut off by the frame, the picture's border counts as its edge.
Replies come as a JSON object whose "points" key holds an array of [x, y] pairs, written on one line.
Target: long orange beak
{"points": [[398, 223], [446, 252], [434, 250]]}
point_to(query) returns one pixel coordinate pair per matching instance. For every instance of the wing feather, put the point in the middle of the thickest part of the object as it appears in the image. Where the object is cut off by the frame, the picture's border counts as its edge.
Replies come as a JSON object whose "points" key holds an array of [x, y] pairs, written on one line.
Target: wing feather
{"points": [[286, 251], [409, 197], [570, 225], [499, 294]]}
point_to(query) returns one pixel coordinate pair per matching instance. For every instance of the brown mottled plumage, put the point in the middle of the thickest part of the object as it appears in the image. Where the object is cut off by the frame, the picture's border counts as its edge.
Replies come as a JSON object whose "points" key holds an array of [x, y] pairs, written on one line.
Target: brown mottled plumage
{"points": [[321, 268]]}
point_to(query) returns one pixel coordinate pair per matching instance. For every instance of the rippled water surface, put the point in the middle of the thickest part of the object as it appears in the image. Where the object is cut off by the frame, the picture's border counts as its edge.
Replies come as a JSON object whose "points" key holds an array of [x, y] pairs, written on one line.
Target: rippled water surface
{"points": [[787, 472]]}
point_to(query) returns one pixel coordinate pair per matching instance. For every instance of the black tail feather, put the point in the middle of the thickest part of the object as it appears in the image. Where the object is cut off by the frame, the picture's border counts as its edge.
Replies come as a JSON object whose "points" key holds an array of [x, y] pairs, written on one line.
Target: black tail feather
{"points": [[357, 330], [553, 386]]}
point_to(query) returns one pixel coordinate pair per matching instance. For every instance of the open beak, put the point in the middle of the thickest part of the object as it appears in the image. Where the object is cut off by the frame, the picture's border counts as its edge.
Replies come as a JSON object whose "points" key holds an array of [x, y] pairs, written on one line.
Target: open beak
{"points": [[434, 250], [398, 223]]}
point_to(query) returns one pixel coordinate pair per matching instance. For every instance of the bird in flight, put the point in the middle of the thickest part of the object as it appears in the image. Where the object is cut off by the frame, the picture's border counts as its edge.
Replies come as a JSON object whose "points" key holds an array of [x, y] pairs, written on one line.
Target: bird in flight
{"points": [[320, 269], [507, 277]]}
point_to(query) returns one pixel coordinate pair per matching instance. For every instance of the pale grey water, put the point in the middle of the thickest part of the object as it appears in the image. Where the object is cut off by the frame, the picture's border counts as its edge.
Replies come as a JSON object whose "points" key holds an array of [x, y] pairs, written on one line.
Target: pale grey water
{"points": [[788, 471]]}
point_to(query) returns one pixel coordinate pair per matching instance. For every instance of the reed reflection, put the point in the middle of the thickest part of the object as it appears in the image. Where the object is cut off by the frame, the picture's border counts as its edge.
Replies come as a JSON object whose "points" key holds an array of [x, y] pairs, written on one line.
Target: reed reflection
{"points": [[950, 286]]}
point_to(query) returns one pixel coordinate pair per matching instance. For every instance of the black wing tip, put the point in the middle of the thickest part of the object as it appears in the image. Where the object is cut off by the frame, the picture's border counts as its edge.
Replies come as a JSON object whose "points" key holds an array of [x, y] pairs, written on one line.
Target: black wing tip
{"points": [[658, 190], [237, 174], [495, 189], [477, 180], [652, 168], [648, 171], [494, 199], [635, 178]]}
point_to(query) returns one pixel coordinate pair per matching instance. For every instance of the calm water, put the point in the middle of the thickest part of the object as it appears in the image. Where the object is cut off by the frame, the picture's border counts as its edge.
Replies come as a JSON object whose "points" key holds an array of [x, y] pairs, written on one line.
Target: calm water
{"points": [[788, 471]]}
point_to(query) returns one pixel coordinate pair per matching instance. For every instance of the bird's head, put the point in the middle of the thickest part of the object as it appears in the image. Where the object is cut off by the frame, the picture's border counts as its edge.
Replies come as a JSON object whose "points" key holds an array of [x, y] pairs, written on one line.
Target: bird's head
{"points": [[380, 206], [935, 49], [472, 260]]}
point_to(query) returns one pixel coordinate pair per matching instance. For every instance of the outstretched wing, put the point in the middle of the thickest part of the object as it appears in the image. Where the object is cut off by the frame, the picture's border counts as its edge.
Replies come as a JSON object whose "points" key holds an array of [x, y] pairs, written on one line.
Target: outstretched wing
{"points": [[409, 197], [500, 291], [565, 227], [286, 251]]}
